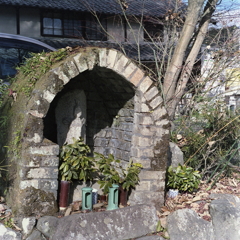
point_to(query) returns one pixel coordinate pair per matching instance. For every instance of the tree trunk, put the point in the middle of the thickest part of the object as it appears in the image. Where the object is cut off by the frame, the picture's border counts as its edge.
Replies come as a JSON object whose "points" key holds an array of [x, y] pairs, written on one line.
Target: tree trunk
{"points": [[178, 73]]}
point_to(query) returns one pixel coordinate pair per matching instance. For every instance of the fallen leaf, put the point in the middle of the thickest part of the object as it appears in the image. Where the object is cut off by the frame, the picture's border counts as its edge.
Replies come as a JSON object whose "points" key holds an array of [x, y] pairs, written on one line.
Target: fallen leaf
{"points": [[163, 222], [98, 205], [68, 211], [166, 213], [197, 198], [76, 205]]}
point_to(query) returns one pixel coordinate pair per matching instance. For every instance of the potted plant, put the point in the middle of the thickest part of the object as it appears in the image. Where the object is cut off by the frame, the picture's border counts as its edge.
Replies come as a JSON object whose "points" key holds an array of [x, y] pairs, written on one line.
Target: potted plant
{"points": [[111, 172], [182, 178], [129, 179], [74, 164], [107, 171]]}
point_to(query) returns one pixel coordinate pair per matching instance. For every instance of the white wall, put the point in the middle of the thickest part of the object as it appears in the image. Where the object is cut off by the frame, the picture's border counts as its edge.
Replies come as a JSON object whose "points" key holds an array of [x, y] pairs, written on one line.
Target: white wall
{"points": [[116, 32], [134, 32], [8, 23], [30, 22], [115, 28]]}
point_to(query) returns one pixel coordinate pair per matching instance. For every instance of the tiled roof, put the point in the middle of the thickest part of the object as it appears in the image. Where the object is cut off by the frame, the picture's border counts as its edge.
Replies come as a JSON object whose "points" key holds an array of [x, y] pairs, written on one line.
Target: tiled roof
{"points": [[147, 50], [155, 8]]}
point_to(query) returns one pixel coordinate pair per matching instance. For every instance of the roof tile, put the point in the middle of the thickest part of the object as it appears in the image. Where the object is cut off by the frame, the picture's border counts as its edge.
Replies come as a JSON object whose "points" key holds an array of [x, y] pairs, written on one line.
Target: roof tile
{"points": [[155, 8]]}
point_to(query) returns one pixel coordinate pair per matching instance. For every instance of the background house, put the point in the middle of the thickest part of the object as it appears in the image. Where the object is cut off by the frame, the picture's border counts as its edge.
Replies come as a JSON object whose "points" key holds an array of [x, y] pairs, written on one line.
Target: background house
{"points": [[69, 23], [61, 23]]}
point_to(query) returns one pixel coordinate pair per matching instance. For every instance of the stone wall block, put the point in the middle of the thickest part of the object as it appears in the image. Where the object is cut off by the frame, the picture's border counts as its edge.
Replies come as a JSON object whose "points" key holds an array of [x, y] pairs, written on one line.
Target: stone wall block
{"points": [[159, 113], [138, 118], [33, 129], [113, 143], [145, 84], [155, 102], [116, 133], [142, 119], [147, 120], [127, 127], [137, 77], [111, 57], [145, 142], [135, 140], [38, 106], [127, 136], [29, 183], [118, 154], [142, 141], [31, 161], [35, 113], [97, 142], [146, 130], [129, 70], [120, 64], [160, 132], [151, 93], [145, 162], [103, 57], [45, 150], [48, 184], [153, 198], [142, 152], [157, 185], [47, 95], [51, 173], [143, 186], [152, 175], [70, 69], [144, 108], [80, 63], [49, 161], [55, 84], [91, 60], [101, 134], [61, 75]]}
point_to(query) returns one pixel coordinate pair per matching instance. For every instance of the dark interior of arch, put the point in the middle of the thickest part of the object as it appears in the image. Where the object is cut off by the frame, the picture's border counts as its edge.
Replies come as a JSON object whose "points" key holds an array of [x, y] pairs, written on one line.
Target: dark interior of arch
{"points": [[110, 106]]}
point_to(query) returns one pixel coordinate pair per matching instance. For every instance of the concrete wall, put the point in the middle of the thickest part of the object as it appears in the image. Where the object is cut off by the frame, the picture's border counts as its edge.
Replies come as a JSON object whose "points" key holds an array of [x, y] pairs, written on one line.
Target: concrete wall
{"points": [[134, 32], [30, 22], [115, 28], [8, 20]]}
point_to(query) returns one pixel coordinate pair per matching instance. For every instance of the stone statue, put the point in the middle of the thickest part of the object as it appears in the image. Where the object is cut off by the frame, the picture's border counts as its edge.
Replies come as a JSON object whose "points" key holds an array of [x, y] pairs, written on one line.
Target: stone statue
{"points": [[71, 116]]}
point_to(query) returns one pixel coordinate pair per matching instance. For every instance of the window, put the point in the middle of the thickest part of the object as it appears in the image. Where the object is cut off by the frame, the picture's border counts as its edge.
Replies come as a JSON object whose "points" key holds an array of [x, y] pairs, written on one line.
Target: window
{"points": [[153, 31], [52, 24], [73, 25]]}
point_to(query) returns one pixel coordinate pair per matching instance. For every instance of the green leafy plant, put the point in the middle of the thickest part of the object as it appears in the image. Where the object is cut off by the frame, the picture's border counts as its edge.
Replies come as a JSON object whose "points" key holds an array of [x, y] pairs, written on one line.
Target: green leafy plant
{"points": [[111, 172], [38, 64], [3, 167], [107, 171], [3, 91], [130, 175], [183, 178], [75, 162], [208, 133], [9, 223]]}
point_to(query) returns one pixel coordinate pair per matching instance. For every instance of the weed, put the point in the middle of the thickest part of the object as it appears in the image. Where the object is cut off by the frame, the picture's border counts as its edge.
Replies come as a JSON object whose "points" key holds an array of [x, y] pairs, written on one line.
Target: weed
{"points": [[3, 91], [38, 64], [209, 148], [9, 223]]}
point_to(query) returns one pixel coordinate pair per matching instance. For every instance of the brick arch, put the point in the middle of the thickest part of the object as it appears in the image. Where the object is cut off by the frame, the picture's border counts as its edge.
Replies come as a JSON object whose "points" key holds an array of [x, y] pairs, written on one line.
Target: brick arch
{"points": [[149, 134]]}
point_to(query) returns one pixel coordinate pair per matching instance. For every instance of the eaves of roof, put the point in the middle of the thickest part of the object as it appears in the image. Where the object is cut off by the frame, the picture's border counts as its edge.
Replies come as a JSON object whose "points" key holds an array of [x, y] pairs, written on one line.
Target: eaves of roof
{"points": [[153, 8], [146, 51]]}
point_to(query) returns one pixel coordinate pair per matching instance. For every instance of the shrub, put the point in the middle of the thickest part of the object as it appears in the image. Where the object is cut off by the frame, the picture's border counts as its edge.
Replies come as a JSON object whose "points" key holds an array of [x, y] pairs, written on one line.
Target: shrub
{"points": [[210, 136], [183, 178]]}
